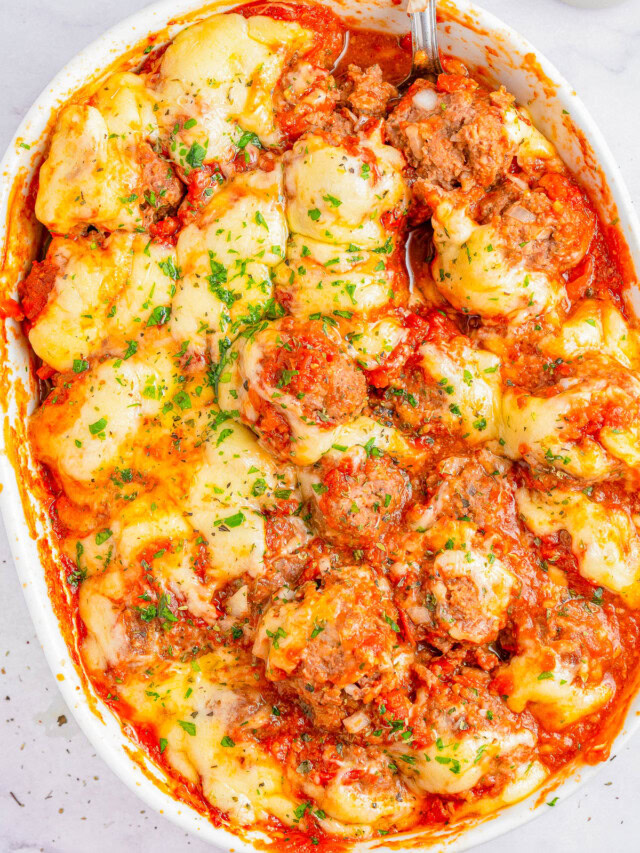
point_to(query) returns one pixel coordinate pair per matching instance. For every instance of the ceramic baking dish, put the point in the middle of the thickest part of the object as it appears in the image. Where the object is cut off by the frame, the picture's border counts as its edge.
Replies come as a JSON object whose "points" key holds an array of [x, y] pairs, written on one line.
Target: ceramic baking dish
{"points": [[498, 54]]}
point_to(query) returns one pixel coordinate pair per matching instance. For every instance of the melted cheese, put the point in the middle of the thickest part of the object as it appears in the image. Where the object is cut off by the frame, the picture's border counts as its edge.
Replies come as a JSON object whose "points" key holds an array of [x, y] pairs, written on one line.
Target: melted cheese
{"points": [[455, 763], [472, 381], [365, 180], [106, 643], [527, 778], [534, 428], [92, 175], [532, 145], [226, 258], [211, 701], [380, 801], [143, 524], [374, 340], [337, 261], [216, 80], [320, 278], [594, 326], [224, 505], [103, 297], [559, 698], [604, 540], [92, 431], [470, 269]]}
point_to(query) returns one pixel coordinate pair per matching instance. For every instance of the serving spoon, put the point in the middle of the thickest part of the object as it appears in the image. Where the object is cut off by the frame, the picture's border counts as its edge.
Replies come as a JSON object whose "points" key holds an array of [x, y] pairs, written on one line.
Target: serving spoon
{"points": [[425, 60]]}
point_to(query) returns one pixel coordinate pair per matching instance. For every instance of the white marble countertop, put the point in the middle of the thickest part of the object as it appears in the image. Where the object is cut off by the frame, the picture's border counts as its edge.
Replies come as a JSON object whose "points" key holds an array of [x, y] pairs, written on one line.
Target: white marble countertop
{"points": [[56, 796]]}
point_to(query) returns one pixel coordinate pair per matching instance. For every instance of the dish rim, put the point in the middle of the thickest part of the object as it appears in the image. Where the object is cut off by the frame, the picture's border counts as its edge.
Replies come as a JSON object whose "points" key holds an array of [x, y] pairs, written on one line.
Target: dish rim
{"points": [[106, 735]]}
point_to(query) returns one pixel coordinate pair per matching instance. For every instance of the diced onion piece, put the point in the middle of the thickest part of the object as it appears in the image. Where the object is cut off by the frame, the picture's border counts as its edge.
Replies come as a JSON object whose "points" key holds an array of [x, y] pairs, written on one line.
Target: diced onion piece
{"points": [[426, 99], [516, 211], [518, 182], [356, 722], [238, 604], [420, 615]]}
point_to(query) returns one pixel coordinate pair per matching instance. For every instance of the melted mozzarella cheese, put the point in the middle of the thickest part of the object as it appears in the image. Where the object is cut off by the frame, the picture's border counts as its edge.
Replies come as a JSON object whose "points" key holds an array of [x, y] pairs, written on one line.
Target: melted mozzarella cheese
{"points": [[365, 180], [216, 80], [320, 278], [527, 777], [594, 326], [226, 258], [372, 341], [91, 432], [106, 643], [453, 764], [226, 506], [194, 710], [380, 801], [559, 698], [470, 269], [143, 524], [604, 540], [92, 174], [102, 297], [532, 145], [534, 428], [472, 381]]}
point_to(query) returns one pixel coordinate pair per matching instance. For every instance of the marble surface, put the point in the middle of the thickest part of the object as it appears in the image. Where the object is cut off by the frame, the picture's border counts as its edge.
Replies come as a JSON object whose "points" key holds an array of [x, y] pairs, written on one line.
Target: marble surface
{"points": [[56, 796]]}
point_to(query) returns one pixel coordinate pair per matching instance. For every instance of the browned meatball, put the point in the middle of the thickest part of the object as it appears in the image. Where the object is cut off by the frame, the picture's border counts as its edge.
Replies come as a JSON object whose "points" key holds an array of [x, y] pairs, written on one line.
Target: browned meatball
{"points": [[551, 227], [455, 575], [335, 646], [305, 100], [366, 92], [308, 375], [359, 499], [162, 188], [468, 487], [453, 133], [460, 596]]}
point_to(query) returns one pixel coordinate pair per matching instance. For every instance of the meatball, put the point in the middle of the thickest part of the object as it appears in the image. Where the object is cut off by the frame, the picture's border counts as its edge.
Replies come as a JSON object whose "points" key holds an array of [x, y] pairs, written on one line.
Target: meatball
{"points": [[162, 188], [463, 736], [130, 624], [562, 671], [305, 100], [359, 500], [296, 384], [467, 486], [311, 368], [334, 646], [551, 227], [453, 133], [455, 573], [366, 92], [463, 593]]}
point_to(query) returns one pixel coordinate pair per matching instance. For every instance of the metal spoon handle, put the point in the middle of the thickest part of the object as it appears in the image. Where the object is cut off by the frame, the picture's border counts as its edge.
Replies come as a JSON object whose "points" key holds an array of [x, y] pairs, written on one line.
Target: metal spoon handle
{"points": [[425, 37]]}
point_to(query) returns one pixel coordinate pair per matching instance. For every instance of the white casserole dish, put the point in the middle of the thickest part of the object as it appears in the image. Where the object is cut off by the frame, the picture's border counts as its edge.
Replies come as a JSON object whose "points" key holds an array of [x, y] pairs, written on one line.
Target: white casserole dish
{"points": [[468, 32]]}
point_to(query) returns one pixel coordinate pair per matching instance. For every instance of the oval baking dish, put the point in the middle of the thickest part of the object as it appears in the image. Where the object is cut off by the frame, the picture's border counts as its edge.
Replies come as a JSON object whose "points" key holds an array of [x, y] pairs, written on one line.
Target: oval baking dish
{"points": [[468, 33]]}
